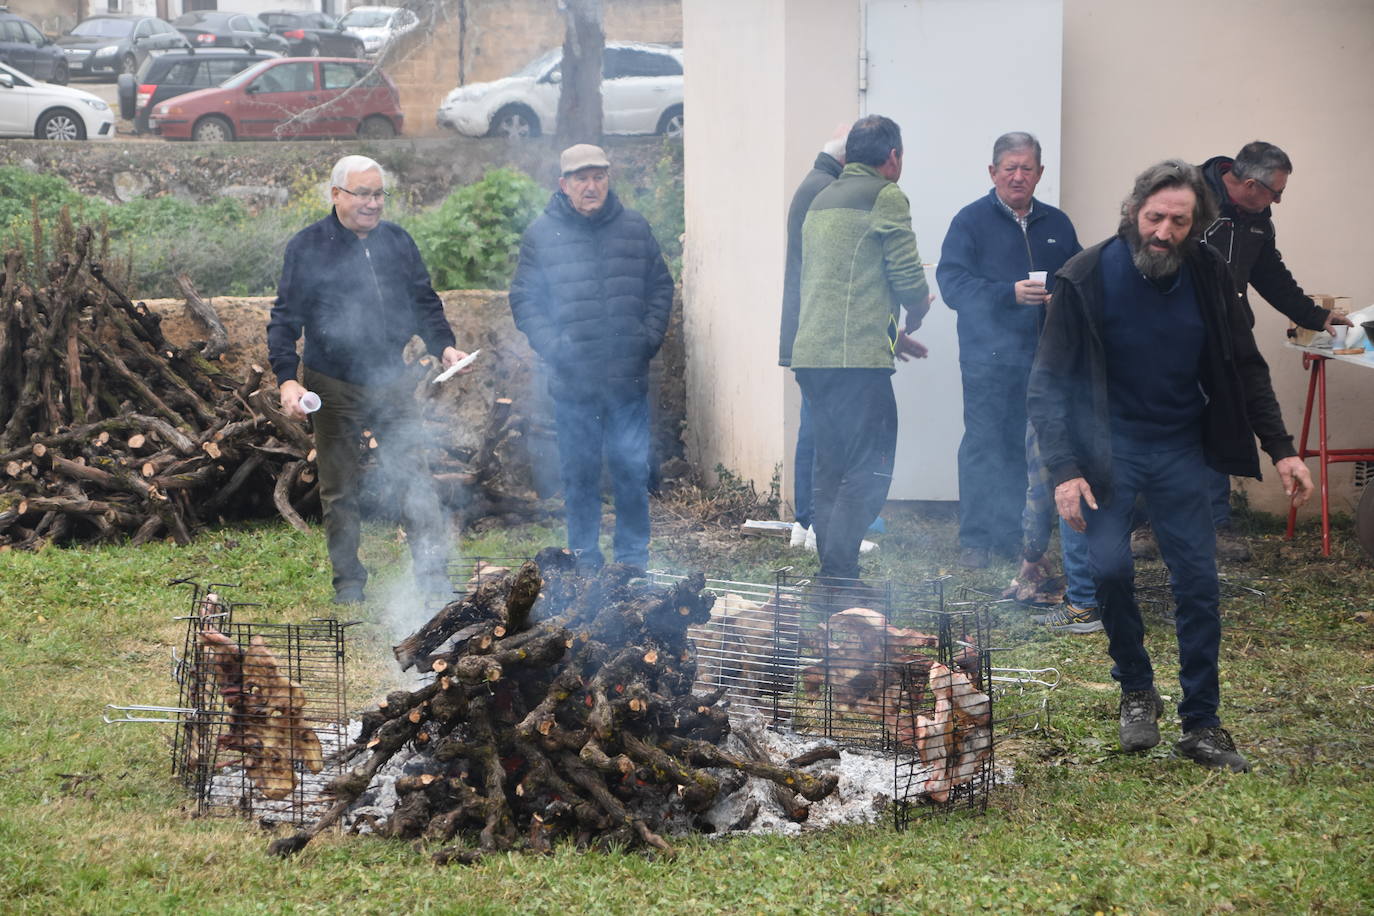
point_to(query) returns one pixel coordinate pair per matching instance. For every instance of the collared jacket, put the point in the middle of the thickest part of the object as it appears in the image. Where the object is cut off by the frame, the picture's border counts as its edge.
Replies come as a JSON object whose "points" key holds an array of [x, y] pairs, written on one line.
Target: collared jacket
{"points": [[1246, 242], [859, 267], [1068, 399], [358, 302], [825, 170], [984, 255], [593, 295]]}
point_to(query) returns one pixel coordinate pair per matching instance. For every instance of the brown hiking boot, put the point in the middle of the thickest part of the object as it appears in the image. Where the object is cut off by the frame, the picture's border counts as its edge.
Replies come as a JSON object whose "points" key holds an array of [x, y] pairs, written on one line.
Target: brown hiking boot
{"points": [[1140, 712], [1212, 747]]}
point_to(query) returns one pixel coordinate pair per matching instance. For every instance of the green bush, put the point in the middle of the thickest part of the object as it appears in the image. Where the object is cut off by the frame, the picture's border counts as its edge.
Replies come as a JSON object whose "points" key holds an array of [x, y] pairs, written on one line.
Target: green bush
{"points": [[472, 239], [662, 205]]}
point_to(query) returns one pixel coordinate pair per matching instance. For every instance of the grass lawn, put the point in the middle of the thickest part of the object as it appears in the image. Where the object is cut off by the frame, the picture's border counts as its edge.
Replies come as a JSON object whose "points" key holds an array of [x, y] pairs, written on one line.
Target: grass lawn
{"points": [[90, 821]]}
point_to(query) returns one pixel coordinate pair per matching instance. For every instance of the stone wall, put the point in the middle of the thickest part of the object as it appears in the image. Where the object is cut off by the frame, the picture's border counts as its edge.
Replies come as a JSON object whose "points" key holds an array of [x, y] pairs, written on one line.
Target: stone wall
{"points": [[264, 173]]}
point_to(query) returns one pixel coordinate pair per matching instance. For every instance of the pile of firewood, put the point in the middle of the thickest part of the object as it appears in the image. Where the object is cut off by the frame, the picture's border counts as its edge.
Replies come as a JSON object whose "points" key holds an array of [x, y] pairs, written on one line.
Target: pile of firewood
{"points": [[108, 431], [559, 706]]}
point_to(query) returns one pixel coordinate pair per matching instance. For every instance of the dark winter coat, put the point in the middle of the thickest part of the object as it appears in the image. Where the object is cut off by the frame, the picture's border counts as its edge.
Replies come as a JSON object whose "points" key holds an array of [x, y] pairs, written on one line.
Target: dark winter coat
{"points": [[1067, 399], [984, 255], [358, 301], [825, 170], [593, 296], [1246, 242]]}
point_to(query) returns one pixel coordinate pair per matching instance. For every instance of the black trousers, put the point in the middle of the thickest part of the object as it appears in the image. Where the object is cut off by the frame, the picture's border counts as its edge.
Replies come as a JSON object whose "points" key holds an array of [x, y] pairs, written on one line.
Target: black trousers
{"points": [[854, 420]]}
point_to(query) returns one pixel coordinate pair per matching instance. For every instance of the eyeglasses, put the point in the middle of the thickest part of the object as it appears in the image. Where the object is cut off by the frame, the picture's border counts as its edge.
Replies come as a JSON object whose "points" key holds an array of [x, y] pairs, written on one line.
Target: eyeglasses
{"points": [[1277, 195], [377, 196]]}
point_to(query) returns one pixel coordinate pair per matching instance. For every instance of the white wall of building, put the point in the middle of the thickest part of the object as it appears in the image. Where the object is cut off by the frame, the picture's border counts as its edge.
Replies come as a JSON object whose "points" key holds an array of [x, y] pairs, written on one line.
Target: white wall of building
{"points": [[1140, 82]]}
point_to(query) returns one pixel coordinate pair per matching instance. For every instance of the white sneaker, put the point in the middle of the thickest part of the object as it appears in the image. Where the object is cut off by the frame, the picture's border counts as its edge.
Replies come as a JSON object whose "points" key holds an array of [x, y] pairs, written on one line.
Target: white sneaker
{"points": [[867, 547], [811, 538], [798, 535]]}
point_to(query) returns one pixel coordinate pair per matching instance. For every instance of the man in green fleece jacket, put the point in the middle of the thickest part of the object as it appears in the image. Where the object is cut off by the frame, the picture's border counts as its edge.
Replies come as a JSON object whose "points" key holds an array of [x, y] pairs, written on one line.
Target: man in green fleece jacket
{"points": [[860, 266]]}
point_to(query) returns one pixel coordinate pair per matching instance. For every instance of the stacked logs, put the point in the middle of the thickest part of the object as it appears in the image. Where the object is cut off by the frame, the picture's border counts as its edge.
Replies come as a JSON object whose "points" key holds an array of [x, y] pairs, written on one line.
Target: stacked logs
{"points": [[559, 707], [108, 431]]}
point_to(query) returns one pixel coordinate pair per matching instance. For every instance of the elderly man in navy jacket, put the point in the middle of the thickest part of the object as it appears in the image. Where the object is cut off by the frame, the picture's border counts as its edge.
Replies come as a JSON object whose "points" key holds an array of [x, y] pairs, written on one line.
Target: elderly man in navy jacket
{"points": [[593, 294], [992, 247], [355, 285]]}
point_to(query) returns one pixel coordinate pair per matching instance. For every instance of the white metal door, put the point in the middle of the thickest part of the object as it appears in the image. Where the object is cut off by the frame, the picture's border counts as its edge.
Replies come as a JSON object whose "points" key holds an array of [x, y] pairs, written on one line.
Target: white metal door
{"points": [[955, 74]]}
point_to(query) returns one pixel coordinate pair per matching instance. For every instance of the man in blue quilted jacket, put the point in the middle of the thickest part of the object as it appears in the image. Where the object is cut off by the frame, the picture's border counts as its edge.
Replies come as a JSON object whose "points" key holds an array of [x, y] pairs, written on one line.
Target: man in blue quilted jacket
{"points": [[593, 295]]}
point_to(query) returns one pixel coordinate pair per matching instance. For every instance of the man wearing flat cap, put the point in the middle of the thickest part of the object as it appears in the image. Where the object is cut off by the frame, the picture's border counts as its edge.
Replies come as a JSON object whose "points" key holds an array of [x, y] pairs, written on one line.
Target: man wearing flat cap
{"points": [[593, 294]]}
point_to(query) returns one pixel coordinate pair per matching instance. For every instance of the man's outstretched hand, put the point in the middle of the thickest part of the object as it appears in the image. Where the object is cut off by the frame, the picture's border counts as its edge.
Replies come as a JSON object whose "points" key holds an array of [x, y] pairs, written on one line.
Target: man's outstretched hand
{"points": [[1296, 479], [909, 348], [1069, 498]]}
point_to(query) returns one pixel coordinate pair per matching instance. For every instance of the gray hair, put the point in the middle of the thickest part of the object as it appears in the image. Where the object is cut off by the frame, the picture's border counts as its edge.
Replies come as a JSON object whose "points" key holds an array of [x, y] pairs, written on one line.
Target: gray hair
{"points": [[1014, 142], [1171, 173], [1260, 160], [350, 164]]}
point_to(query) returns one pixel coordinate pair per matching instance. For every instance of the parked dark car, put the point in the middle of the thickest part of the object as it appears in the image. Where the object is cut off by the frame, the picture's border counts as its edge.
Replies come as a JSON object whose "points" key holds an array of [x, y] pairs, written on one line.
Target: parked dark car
{"points": [[313, 34], [221, 29], [177, 72], [117, 44], [29, 51], [295, 97]]}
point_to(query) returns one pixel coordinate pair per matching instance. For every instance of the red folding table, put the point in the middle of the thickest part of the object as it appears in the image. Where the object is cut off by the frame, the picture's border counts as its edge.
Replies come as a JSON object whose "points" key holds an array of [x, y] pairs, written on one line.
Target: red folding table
{"points": [[1314, 359]]}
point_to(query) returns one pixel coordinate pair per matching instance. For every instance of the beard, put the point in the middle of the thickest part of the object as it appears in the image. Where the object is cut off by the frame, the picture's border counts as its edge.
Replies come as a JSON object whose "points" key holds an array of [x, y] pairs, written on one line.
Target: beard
{"points": [[1152, 262]]}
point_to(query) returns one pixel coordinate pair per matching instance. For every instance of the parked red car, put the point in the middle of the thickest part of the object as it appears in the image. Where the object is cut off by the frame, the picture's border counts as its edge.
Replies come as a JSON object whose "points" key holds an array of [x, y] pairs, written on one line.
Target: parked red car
{"points": [[286, 98]]}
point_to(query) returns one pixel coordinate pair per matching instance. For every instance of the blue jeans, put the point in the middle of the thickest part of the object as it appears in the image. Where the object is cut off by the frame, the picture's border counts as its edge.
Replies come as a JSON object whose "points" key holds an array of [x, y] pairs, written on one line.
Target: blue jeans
{"points": [[803, 468], [992, 456], [619, 429], [1176, 493], [1220, 486], [1037, 520]]}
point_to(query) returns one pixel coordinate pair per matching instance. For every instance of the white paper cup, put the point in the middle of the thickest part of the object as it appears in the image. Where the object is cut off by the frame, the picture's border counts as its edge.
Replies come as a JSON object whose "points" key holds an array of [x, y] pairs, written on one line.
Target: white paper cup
{"points": [[1338, 336], [1038, 276], [310, 402]]}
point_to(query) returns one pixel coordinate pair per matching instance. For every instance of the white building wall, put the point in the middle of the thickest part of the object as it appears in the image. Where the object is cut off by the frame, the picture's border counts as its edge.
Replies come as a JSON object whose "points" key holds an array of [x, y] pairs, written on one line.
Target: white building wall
{"points": [[1141, 82]]}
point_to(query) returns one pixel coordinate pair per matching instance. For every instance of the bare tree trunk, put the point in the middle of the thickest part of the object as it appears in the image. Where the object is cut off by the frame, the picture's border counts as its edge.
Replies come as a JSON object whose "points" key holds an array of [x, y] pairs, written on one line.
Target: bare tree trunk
{"points": [[579, 102]]}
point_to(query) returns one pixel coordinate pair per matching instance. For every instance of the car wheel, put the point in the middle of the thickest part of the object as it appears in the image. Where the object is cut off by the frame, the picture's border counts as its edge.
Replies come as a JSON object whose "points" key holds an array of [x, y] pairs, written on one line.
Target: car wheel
{"points": [[514, 122], [128, 64], [376, 127], [60, 73], [671, 124], [60, 124], [213, 129]]}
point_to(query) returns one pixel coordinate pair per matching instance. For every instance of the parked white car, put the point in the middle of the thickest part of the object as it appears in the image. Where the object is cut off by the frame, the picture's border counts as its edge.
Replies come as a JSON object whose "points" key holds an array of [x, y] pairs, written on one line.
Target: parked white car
{"points": [[641, 93], [378, 26], [32, 108]]}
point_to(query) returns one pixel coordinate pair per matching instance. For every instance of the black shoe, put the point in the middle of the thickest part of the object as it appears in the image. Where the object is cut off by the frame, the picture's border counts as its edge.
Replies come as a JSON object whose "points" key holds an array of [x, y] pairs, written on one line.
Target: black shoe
{"points": [[1140, 712], [973, 558], [1212, 747], [1143, 544], [1231, 547], [349, 594]]}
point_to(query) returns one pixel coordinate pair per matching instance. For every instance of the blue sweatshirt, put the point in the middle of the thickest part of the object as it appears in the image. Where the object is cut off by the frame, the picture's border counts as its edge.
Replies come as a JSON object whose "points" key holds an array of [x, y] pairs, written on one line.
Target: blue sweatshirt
{"points": [[984, 254]]}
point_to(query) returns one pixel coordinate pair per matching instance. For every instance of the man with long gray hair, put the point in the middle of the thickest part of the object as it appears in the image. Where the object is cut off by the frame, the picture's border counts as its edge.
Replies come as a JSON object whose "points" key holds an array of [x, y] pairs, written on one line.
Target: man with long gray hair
{"points": [[356, 287], [1146, 374]]}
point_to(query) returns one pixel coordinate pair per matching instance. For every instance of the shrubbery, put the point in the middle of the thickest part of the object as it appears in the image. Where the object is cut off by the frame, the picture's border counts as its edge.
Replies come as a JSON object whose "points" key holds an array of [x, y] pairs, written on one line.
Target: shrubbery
{"points": [[470, 241]]}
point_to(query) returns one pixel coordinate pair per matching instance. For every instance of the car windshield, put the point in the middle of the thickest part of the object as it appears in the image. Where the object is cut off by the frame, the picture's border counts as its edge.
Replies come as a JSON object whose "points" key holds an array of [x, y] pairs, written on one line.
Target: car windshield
{"points": [[286, 19], [239, 79], [541, 63], [193, 18], [104, 28], [366, 19]]}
